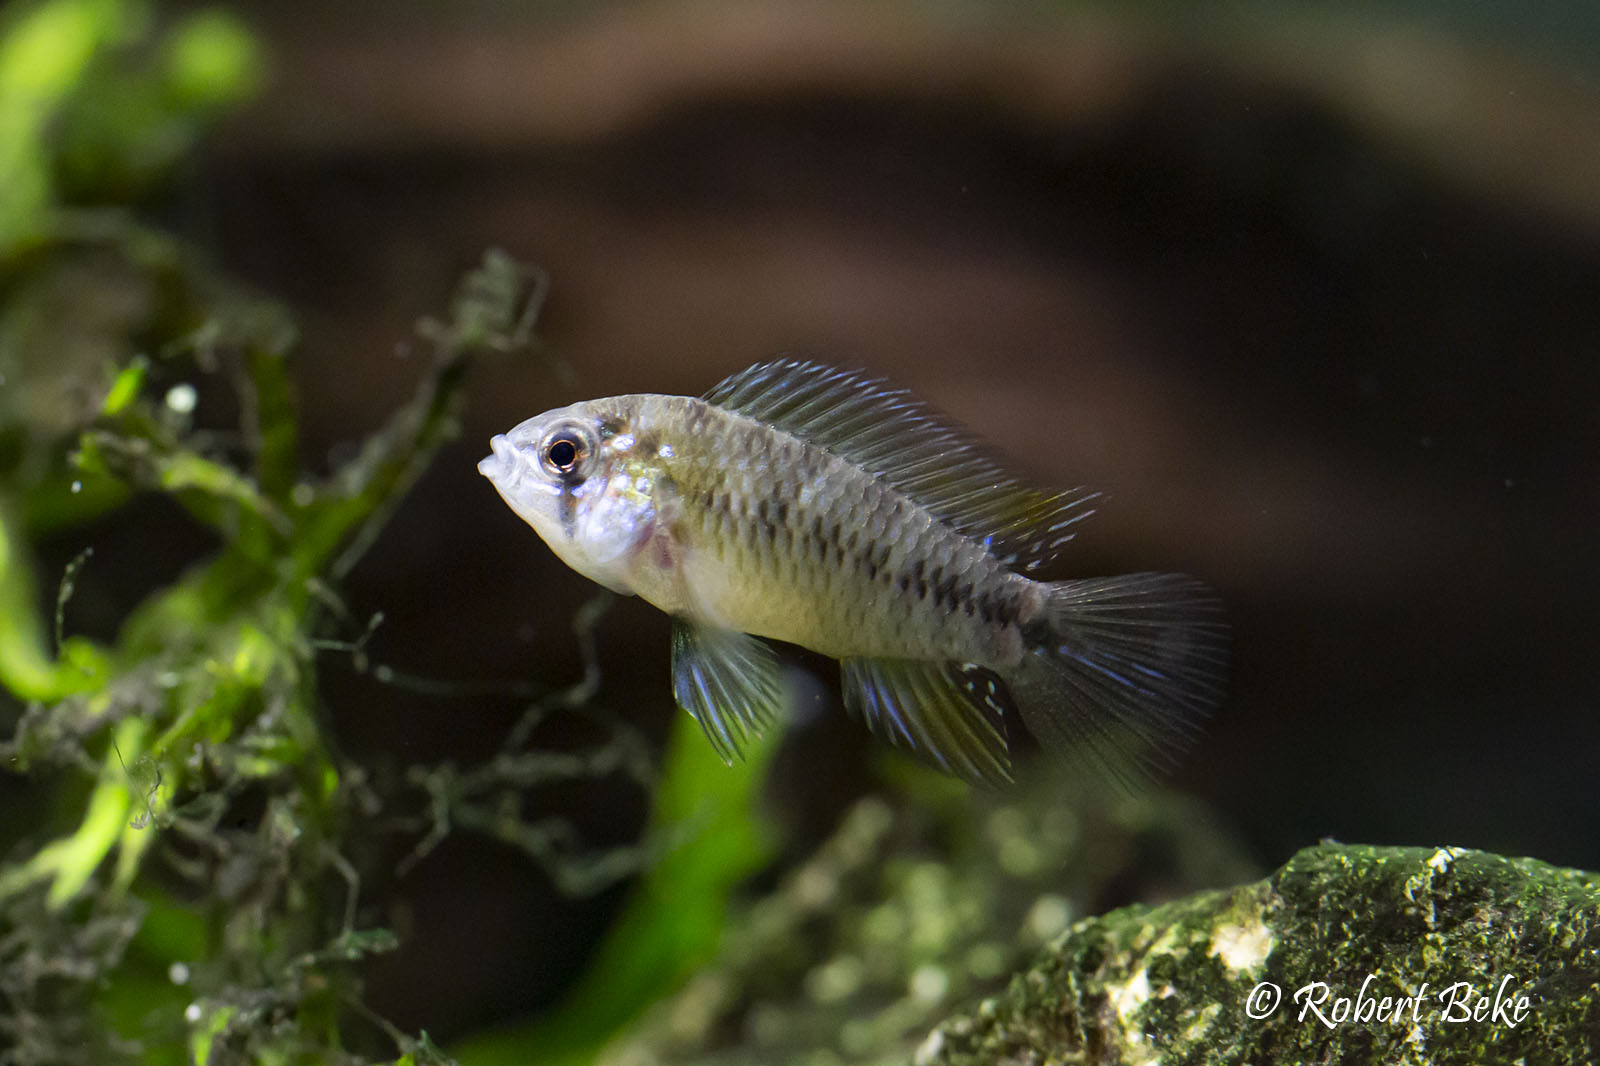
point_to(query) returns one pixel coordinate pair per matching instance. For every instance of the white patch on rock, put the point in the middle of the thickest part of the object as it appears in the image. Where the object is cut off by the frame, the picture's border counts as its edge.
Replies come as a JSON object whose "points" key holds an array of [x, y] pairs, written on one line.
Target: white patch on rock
{"points": [[1197, 1030], [1422, 881], [1131, 996], [1126, 1001], [1243, 946], [1442, 859]]}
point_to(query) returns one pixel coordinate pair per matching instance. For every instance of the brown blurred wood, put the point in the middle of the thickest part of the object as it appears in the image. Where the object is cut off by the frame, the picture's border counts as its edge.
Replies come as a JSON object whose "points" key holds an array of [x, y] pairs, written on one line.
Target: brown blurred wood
{"points": [[1506, 124]]}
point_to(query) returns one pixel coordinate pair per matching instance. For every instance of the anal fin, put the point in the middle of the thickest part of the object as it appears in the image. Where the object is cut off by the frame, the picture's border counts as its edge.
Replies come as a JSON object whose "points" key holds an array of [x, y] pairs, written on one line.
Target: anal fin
{"points": [[731, 682], [951, 714]]}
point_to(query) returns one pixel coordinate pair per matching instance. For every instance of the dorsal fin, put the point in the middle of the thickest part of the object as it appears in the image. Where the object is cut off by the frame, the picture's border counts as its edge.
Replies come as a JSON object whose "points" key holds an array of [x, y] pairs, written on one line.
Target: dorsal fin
{"points": [[890, 433]]}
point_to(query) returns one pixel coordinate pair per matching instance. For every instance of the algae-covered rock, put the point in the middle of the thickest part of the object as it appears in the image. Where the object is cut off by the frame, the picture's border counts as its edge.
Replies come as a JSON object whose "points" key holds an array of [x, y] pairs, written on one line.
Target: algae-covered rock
{"points": [[1346, 954]]}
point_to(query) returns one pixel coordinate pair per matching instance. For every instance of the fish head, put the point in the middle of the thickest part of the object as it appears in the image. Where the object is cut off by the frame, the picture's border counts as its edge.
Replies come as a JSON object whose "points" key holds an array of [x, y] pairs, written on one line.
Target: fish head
{"points": [[571, 474]]}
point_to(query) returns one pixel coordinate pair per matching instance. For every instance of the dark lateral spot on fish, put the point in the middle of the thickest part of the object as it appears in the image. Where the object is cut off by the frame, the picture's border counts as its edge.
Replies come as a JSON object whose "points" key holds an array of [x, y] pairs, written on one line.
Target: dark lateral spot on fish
{"points": [[959, 596], [904, 582], [995, 608], [783, 510], [1037, 634], [880, 561], [992, 610], [918, 580]]}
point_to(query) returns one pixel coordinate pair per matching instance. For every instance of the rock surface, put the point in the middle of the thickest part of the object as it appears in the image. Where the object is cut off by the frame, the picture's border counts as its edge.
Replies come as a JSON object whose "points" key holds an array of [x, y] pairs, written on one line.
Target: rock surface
{"points": [[1346, 954]]}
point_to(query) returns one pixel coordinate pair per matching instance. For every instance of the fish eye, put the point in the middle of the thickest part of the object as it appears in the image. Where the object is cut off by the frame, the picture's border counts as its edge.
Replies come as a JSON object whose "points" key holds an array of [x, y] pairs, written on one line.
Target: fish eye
{"points": [[563, 452]]}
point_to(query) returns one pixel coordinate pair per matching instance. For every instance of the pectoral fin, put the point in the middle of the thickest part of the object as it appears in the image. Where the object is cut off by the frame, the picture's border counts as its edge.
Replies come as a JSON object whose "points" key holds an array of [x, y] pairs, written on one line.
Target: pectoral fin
{"points": [[951, 714], [731, 682]]}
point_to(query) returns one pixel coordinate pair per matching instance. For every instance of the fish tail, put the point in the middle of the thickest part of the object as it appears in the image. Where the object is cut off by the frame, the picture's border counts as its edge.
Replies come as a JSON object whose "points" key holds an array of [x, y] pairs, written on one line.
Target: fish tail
{"points": [[1120, 672]]}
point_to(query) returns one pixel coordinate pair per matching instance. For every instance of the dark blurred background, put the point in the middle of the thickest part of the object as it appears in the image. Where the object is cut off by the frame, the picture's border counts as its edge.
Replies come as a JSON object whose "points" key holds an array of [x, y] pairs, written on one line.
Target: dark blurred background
{"points": [[1312, 291]]}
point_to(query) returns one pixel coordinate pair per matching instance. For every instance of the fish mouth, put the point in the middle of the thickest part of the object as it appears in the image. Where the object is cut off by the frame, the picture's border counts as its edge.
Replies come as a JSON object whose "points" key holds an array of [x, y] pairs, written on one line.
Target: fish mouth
{"points": [[499, 466]]}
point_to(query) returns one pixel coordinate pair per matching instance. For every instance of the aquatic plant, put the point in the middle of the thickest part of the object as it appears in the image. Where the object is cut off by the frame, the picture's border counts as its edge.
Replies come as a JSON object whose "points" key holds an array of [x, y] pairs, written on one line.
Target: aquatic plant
{"points": [[243, 938], [191, 743], [181, 877]]}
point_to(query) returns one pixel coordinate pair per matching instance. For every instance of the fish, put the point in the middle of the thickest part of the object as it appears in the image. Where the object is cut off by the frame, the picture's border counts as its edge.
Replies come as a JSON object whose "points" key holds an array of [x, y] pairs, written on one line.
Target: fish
{"points": [[798, 503]]}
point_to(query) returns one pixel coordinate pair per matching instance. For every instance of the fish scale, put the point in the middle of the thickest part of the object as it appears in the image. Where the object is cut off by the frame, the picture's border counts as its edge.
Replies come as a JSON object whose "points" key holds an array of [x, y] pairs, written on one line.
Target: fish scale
{"points": [[800, 503]]}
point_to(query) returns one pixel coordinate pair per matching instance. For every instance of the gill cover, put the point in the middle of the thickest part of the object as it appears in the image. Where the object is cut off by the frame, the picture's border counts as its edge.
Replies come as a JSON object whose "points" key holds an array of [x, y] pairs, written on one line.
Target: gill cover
{"points": [[561, 474]]}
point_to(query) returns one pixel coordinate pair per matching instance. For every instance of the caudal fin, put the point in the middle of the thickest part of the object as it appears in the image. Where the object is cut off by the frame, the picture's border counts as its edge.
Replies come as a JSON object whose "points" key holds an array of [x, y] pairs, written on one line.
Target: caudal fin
{"points": [[1123, 671]]}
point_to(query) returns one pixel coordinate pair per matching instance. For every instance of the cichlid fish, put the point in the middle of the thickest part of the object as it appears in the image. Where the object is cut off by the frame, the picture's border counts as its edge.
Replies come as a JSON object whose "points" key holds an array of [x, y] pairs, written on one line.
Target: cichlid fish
{"points": [[800, 503]]}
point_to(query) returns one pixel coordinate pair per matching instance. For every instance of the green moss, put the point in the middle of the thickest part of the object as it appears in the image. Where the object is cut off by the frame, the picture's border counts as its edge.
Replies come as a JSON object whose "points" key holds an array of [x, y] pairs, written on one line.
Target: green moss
{"points": [[1174, 983]]}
